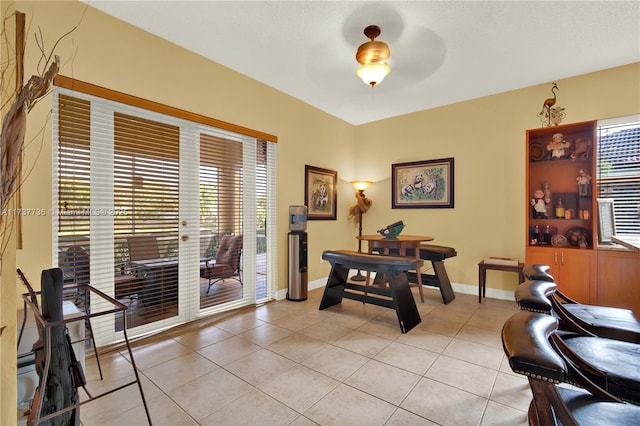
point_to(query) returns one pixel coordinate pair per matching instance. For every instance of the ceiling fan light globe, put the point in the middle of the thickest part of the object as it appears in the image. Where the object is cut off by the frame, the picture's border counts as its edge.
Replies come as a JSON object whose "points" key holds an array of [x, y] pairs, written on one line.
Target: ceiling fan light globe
{"points": [[372, 74]]}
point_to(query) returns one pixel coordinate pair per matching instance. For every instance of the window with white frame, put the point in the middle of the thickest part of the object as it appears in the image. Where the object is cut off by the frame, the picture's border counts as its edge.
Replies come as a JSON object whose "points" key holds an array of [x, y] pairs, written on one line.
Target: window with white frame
{"points": [[618, 169]]}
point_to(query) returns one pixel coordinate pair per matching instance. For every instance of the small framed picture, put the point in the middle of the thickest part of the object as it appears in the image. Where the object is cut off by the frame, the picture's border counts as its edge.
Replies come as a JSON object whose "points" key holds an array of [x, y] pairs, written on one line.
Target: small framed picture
{"points": [[320, 193], [422, 184], [606, 220]]}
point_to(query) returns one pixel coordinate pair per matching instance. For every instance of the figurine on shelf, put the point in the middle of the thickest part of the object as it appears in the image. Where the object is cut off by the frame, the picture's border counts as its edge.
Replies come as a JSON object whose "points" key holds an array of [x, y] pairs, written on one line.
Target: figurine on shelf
{"points": [[584, 183], [539, 203], [557, 146]]}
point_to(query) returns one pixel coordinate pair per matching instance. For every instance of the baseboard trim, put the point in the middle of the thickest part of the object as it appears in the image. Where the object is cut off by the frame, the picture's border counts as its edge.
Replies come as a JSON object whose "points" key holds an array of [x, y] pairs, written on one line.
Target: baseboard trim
{"points": [[457, 288]]}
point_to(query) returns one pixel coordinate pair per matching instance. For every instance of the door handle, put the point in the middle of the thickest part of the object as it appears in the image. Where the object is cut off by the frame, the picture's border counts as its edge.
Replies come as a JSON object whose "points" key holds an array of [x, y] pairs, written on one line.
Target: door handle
{"points": [[555, 257], [185, 237]]}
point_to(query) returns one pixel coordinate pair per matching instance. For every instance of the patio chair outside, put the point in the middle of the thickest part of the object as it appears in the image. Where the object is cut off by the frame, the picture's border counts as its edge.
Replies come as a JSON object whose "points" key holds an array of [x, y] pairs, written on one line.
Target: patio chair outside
{"points": [[227, 261]]}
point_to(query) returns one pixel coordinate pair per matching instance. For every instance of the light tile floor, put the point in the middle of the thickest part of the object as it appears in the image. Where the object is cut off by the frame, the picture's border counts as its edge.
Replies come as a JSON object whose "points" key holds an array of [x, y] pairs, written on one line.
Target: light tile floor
{"points": [[288, 363]]}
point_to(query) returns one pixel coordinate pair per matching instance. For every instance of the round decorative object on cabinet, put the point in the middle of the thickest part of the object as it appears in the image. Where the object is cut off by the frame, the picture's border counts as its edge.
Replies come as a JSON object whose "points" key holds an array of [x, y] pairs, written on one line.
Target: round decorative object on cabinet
{"points": [[559, 241], [536, 152], [579, 237]]}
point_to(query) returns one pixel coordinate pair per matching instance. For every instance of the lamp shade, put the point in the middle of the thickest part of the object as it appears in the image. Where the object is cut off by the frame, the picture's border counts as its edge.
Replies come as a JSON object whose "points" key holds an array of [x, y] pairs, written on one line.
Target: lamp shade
{"points": [[361, 185], [372, 74]]}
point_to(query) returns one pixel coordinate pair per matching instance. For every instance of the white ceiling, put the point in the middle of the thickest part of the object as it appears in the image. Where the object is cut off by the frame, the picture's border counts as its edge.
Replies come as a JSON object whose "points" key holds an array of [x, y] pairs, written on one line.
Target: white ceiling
{"points": [[442, 52]]}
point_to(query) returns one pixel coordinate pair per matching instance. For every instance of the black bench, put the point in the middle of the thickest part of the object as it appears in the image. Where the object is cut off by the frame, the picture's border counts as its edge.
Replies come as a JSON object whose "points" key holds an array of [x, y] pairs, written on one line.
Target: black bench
{"points": [[436, 255], [397, 295]]}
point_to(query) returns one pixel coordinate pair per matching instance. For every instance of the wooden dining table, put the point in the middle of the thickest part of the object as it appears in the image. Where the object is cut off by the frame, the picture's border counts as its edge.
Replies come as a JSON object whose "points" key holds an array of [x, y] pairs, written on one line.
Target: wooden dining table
{"points": [[377, 242]]}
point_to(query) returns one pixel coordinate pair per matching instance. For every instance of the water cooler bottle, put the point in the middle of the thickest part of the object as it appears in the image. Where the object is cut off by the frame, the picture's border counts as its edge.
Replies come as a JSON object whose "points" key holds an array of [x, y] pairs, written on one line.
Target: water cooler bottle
{"points": [[298, 282]]}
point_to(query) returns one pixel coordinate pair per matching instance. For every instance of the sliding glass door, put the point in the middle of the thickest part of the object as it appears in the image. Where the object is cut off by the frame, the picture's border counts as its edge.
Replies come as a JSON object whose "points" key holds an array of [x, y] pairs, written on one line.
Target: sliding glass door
{"points": [[172, 214]]}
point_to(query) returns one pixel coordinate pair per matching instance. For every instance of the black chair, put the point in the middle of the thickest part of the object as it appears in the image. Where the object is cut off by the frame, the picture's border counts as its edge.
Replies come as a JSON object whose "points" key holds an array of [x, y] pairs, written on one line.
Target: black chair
{"points": [[613, 365], [540, 294], [537, 271], [528, 340]]}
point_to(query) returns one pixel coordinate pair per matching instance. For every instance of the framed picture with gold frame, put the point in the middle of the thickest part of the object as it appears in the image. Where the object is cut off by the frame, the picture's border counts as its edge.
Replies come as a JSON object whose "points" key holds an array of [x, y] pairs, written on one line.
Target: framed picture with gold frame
{"points": [[320, 193], [422, 184]]}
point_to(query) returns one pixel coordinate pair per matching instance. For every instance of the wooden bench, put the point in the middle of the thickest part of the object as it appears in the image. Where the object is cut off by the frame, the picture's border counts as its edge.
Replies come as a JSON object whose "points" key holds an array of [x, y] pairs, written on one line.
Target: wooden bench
{"points": [[397, 295]]}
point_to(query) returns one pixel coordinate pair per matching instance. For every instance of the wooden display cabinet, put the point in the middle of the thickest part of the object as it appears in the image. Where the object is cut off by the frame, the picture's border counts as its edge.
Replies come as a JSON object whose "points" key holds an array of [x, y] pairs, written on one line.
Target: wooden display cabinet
{"points": [[560, 223], [574, 270], [619, 279]]}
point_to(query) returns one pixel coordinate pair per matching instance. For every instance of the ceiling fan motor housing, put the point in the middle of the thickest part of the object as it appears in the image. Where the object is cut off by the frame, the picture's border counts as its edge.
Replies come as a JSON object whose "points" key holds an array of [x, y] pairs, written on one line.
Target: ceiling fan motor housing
{"points": [[372, 51]]}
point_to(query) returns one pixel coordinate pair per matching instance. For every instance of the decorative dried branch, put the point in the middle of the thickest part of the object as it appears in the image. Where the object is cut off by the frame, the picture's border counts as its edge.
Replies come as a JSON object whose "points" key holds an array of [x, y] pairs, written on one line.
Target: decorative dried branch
{"points": [[12, 136], [14, 126]]}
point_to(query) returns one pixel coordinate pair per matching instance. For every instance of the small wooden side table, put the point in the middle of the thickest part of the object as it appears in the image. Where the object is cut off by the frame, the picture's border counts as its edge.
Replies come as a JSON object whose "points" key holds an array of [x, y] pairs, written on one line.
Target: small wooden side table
{"points": [[482, 275]]}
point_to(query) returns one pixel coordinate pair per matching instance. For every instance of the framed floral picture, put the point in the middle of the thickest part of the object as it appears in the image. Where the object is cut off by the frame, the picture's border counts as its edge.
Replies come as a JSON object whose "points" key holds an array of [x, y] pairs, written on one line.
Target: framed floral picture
{"points": [[422, 184], [320, 193]]}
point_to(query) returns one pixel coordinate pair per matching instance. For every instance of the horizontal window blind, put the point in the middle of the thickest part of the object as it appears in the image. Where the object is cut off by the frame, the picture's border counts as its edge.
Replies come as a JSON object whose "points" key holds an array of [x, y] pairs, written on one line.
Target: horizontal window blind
{"points": [[146, 191], [270, 246], [74, 203], [618, 166], [263, 290], [221, 193], [135, 188]]}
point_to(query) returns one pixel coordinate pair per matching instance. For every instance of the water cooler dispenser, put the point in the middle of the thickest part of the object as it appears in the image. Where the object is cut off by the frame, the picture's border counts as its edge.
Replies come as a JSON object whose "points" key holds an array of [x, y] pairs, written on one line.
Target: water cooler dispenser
{"points": [[298, 282]]}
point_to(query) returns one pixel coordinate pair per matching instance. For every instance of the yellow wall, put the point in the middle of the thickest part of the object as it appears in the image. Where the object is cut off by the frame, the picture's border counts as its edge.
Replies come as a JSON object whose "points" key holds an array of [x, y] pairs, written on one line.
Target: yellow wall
{"points": [[486, 137], [115, 55]]}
